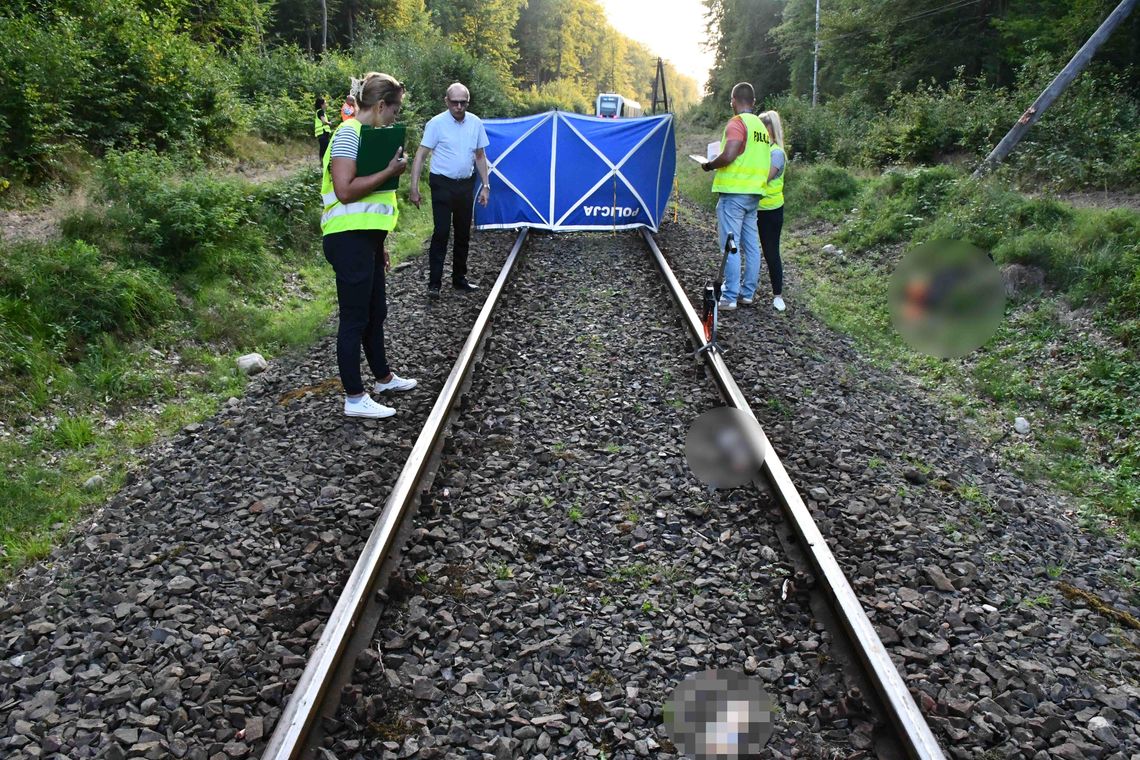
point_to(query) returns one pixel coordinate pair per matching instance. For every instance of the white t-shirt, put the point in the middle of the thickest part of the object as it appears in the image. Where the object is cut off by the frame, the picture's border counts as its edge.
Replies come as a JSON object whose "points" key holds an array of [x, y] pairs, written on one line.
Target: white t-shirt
{"points": [[453, 144]]}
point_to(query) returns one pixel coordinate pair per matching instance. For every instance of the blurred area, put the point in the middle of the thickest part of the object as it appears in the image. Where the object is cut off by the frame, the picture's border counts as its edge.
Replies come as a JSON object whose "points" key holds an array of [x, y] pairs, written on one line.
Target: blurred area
{"points": [[946, 298], [719, 715], [721, 448]]}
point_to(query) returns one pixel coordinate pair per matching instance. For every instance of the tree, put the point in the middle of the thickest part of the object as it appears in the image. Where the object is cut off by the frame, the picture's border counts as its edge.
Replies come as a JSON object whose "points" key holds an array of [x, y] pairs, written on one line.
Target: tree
{"points": [[741, 37], [481, 27]]}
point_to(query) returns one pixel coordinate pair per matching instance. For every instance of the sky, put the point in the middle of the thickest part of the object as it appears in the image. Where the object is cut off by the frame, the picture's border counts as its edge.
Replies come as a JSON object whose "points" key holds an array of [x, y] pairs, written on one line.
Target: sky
{"points": [[673, 29]]}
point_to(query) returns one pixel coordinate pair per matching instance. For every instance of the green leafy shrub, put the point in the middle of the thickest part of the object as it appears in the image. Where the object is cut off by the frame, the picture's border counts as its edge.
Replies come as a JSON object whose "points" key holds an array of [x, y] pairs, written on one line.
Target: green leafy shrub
{"points": [[67, 293], [287, 212], [558, 94], [834, 132], [109, 75], [1090, 137], [186, 224]]}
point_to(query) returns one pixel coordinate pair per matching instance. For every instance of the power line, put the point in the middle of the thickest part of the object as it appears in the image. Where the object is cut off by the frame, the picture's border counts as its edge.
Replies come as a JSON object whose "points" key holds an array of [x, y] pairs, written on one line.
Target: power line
{"points": [[959, 4], [924, 14]]}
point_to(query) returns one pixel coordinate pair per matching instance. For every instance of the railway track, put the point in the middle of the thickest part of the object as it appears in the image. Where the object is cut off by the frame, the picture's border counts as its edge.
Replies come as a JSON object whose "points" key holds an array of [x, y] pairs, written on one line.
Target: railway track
{"points": [[351, 659]]}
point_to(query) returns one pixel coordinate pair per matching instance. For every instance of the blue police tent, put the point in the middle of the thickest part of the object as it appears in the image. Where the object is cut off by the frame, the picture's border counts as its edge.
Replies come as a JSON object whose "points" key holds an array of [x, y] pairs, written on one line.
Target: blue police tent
{"points": [[564, 171]]}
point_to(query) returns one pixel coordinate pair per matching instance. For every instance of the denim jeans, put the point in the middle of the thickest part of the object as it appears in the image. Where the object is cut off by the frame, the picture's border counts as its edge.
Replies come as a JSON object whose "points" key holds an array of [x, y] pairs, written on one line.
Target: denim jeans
{"points": [[736, 213]]}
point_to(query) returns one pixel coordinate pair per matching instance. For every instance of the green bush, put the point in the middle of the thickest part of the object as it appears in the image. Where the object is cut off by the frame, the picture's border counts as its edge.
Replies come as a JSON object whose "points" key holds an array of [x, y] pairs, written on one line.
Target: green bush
{"points": [[832, 132], [820, 191], [64, 294], [287, 212], [1090, 254], [1090, 137], [894, 207], [108, 75], [427, 66], [186, 224], [559, 94]]}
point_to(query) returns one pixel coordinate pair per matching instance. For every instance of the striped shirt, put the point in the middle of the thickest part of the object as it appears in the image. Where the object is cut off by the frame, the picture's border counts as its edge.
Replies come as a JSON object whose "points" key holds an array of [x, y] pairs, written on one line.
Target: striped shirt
{"points": [[345, 144]]}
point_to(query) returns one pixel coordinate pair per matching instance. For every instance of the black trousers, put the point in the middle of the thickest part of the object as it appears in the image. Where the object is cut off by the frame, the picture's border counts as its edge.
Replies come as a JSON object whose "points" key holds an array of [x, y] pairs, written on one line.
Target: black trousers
{"points": [[322, 145], [452, 201], [770, 223], [357, 258]]}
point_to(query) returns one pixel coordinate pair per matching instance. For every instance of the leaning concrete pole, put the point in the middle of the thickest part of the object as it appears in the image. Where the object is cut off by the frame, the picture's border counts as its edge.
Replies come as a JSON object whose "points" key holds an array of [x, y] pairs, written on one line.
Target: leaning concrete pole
{"points": [[1056, 87]]}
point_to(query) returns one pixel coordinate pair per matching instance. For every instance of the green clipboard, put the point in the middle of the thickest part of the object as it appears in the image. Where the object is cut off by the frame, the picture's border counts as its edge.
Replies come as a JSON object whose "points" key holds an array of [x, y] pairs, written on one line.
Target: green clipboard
{"points": [[377, 147]]}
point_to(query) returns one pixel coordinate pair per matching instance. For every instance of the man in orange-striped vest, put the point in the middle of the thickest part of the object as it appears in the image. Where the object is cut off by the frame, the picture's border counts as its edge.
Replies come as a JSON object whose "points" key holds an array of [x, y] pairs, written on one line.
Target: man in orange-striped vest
{"points": [[741, 171]]}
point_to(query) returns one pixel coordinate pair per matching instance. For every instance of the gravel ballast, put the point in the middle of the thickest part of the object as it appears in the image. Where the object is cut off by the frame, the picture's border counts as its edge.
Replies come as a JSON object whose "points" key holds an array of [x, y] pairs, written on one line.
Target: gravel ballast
{"points": [[568, 570], [571, 571], [983, 587], [176, 620]]}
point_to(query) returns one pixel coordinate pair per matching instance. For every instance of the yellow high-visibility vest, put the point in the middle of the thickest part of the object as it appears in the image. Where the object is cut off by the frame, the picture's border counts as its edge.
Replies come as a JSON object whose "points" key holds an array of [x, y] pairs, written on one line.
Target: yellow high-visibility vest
{"points": [[319, 127], [772, 197], [748, 173], [375, 211]]}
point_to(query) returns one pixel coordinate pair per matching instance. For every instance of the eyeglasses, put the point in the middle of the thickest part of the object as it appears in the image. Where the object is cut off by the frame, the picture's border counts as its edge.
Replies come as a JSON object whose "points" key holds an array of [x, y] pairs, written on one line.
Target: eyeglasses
{"points": [[458, 102]]}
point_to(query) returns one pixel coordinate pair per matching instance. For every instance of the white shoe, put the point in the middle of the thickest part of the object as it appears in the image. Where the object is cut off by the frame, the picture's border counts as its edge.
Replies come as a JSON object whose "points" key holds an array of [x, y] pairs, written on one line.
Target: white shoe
{"points": [[397, 383], [778, 303], [748, 301], [725, 305], [364, 406]]}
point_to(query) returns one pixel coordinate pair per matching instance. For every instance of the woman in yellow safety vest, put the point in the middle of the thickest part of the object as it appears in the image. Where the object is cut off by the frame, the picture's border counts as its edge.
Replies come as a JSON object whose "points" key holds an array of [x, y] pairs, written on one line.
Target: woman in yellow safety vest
{"points": [[355, 222], [322, 129], [770, 215]]}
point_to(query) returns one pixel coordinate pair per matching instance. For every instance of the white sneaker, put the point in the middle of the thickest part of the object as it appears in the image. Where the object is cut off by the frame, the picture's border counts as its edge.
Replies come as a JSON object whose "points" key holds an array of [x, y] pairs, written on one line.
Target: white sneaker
{"points": [[726, 305], [748, 301], [397, 383], [778, 302], [364, 406]]}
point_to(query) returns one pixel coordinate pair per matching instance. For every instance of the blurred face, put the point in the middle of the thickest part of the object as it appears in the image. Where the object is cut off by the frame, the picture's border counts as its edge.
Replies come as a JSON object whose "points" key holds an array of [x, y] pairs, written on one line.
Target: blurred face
{"points": [[456, 101]]}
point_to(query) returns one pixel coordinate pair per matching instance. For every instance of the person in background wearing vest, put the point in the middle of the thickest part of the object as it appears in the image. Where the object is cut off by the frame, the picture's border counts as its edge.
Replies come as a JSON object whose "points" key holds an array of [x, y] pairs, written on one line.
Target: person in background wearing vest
{"points": [[741, 172], [770, 215], [322, 129], [355, 222], [458, 140]]}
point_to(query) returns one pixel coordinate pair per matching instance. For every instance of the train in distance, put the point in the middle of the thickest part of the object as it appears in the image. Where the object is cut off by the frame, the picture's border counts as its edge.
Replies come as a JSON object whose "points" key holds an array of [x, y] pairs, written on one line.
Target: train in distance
{"points": [[610, 105]]}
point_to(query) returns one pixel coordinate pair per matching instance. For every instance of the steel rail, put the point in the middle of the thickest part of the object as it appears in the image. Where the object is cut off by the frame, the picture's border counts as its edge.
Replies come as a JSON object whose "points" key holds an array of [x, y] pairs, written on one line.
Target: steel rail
{"points": [[307, 700], [913, 731]]}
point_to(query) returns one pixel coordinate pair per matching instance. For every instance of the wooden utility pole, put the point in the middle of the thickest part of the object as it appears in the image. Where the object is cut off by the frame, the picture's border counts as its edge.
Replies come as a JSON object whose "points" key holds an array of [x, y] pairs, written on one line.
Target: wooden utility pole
{"points": [[1055, 88]]}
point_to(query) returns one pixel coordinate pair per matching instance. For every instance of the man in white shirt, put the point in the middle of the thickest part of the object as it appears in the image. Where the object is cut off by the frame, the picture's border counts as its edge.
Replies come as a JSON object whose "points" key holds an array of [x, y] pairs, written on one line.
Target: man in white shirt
{"points": [[457, 140]]}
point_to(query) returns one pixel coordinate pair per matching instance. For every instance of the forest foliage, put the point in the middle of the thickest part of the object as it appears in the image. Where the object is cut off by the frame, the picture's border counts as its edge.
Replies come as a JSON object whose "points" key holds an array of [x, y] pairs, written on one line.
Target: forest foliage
{"points": [[86, 76], [919, 81]]}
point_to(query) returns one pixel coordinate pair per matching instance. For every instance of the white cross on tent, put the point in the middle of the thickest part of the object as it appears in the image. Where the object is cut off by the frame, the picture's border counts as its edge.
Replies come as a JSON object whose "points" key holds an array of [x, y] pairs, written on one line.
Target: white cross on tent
{"points": [[514, 175]]}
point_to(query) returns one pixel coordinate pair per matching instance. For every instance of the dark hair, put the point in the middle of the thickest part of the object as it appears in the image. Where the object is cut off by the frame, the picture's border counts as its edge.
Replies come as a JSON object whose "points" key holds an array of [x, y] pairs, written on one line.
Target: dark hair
{"points": [[320, 102], [743, 93]]}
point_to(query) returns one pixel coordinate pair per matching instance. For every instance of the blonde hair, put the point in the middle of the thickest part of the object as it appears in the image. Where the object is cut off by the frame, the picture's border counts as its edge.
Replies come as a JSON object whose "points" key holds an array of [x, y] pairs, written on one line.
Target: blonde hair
{"points": [[374, 88], [772, 119]]}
